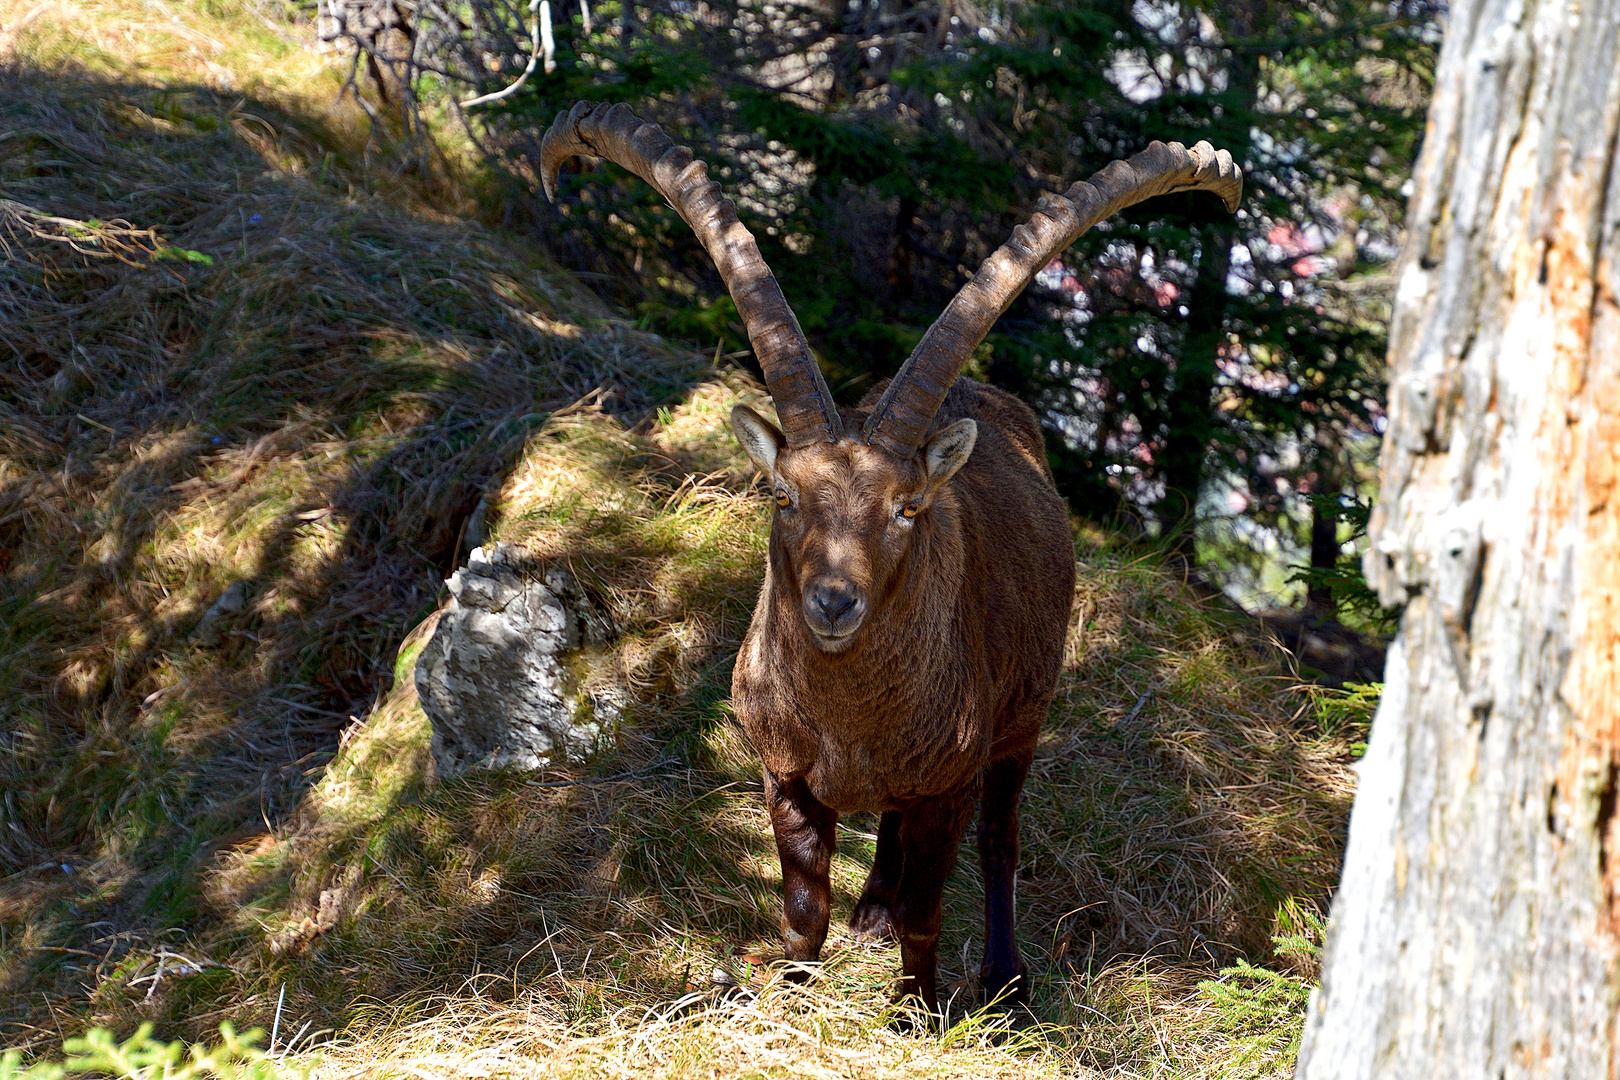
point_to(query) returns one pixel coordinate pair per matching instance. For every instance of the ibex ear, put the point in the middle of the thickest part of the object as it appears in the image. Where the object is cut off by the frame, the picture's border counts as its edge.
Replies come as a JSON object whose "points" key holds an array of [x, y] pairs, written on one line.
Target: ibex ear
{"points": [[948, 450], [759, 437]]}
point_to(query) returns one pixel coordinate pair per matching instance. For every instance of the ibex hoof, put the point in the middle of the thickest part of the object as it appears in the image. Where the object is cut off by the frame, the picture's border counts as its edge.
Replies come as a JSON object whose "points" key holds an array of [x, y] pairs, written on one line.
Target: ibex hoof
{"points": [[870, 924], [911, 1015], [1006, 993]]}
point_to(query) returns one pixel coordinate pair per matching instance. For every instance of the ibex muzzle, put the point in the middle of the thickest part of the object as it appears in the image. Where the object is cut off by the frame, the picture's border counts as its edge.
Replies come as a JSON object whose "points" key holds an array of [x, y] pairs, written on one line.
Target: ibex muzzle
{"points": [[910, 631], [834, 608]]}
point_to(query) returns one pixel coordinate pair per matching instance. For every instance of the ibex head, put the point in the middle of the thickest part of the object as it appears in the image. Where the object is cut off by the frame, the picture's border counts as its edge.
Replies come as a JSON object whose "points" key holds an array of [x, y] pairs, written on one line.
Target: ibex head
{"points": [[850, 508], [847, 516]]}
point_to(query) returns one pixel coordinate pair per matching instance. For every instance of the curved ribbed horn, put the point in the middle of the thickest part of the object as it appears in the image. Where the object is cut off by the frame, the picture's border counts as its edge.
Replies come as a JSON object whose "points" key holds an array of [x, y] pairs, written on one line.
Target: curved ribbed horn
{"points": [[791, 375], [900, 420]]}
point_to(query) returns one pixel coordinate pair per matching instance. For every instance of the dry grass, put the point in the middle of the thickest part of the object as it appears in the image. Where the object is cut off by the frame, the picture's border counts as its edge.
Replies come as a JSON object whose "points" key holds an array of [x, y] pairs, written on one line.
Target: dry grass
{"points": [[227, 487], [228, 493], [227, 48], [782, 1031], [543, 924]]}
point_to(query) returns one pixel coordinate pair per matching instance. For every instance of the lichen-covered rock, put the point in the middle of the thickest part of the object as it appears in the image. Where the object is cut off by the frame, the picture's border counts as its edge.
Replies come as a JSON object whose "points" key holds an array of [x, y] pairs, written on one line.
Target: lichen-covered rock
{"points": [[499, 680]]}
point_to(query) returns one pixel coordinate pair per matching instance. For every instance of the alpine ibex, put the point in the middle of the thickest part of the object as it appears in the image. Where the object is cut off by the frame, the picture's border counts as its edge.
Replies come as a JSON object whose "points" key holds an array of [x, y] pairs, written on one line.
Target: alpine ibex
{"points": [[910, 631]]}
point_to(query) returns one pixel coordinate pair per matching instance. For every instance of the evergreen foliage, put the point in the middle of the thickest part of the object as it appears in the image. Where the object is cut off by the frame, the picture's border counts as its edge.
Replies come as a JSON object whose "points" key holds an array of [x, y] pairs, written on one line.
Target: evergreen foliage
{"points": [[1199, 373], [142, 1057]]}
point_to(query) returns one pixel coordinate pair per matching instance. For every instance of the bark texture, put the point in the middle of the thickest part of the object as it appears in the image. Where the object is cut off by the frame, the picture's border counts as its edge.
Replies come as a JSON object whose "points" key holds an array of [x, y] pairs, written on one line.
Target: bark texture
{"points": [[1474, 934]]}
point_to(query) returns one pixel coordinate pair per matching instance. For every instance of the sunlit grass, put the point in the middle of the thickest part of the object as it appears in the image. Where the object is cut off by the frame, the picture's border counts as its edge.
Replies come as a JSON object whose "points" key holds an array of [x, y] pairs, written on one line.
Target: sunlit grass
{"points": [[214, 806], [227, 488], [1182, 812]]}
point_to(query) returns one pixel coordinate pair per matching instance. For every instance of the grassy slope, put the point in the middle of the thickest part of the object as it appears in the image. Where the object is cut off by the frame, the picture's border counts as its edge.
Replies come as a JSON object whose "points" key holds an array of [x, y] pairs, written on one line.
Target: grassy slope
{"points": [[314, 414], [308, 420]]}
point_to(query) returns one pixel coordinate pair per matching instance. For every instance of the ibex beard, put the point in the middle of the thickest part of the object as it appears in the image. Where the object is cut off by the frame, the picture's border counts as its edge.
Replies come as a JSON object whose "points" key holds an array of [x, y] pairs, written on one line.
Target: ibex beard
{"points": [[910, 630]]}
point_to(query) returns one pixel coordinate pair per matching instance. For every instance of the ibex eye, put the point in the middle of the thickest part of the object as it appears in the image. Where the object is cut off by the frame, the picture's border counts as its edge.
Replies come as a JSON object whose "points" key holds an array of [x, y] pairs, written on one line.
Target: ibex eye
{"points": [[782, 498], [911, 509]]}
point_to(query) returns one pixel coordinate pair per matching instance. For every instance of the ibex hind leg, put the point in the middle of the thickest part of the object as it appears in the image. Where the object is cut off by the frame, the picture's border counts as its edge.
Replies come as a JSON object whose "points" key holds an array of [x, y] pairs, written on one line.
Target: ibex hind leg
{"points": [[1002, 973], [806, 832], [929, 835], [873, 919]]}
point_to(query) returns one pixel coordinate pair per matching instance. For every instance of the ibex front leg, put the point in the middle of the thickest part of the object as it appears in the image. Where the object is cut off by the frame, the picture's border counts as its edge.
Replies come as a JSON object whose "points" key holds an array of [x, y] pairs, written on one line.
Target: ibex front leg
{"points": [[806, 832]]}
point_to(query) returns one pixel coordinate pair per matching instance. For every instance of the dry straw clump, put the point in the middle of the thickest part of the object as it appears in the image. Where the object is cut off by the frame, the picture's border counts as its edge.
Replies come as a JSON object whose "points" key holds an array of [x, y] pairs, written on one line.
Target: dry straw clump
{"points": [[781, 1030]]}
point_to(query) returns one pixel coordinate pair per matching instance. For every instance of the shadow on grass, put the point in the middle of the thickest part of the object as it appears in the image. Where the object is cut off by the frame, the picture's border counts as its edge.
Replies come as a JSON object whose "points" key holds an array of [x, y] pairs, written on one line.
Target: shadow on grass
{"points": [[1183, 801], [229, 484]]}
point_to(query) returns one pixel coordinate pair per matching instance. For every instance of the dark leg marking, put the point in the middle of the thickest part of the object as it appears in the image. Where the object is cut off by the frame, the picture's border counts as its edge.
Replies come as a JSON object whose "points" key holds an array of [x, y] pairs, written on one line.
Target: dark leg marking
{"points": [[806, 833], [1002, 971], [929, 835]]}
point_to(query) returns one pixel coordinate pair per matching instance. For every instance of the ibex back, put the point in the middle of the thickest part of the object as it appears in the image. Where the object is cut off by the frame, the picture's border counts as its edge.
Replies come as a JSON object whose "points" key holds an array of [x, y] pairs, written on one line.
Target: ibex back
{"points": [[910, 631]]}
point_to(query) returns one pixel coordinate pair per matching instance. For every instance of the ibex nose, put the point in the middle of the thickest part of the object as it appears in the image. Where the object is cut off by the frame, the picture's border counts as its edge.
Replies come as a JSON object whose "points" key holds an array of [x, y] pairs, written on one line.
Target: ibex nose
{"points": [[833, 608], [832, 601]]}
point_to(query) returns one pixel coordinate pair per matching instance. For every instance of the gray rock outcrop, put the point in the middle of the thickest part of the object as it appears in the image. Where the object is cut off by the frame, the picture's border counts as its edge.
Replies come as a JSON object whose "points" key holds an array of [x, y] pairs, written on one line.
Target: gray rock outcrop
{"points": [[500, 677]]}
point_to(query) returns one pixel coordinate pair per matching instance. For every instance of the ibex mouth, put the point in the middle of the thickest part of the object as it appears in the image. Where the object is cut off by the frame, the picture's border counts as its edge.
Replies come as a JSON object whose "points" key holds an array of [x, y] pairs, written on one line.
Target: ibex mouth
{"points": [[833, 643], [835, 638]]}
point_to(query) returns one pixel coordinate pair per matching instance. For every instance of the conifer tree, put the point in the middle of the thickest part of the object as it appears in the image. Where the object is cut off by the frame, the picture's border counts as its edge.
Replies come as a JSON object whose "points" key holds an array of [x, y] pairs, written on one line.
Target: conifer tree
{"points": [[1201, 375]]}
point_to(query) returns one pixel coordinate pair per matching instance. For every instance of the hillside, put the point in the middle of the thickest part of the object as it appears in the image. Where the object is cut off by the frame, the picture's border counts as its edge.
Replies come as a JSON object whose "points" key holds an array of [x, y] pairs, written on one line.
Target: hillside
{"points": [[264, 384]]}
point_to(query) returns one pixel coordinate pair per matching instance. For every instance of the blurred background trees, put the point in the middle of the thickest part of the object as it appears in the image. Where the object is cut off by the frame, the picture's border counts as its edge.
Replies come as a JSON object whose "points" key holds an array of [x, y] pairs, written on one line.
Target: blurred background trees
{"points": [[1210, 381]]}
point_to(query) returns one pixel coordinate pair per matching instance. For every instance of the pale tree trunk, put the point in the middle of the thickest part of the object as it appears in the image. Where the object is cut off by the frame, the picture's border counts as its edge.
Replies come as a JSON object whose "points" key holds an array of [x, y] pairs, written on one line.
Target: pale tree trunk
{"points": [[1475, 930]]}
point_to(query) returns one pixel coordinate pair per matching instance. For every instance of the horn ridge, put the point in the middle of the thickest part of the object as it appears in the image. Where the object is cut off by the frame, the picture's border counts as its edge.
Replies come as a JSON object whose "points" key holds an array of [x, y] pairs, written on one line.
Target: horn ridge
{"points": [[803, 402], [900, 419]]}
